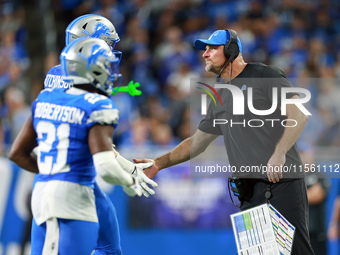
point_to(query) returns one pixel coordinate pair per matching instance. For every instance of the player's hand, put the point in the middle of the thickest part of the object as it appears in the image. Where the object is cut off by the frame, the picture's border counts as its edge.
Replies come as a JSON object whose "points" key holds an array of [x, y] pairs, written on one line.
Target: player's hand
{"points": [[152, 170], [143, 180], [134, 189], [274, 167], [136, 170]]}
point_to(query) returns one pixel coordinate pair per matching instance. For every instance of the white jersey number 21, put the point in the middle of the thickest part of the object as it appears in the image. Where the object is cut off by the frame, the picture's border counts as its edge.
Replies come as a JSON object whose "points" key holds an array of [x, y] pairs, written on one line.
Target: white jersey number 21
{"points": [[53, 146]]}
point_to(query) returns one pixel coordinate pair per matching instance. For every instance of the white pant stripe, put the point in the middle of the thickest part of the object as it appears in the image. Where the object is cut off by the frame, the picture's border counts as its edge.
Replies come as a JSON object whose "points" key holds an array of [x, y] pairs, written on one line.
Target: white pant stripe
{"points": [[51, 245]]}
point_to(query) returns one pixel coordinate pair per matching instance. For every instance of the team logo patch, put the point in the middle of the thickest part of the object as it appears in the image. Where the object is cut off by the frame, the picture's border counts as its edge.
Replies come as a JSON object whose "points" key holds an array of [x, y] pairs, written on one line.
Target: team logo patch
{"points": [[96, 52], [99, 30]]}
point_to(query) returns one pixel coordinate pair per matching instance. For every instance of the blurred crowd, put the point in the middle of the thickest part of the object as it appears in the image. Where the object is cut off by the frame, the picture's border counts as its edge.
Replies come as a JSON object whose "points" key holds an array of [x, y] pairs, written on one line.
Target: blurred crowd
{"points": [[302, 38]]}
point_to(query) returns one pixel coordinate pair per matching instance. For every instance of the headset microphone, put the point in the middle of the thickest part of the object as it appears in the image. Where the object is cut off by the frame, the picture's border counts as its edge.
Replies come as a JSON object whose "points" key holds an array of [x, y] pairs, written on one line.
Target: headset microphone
{"points": [[218, 78]]}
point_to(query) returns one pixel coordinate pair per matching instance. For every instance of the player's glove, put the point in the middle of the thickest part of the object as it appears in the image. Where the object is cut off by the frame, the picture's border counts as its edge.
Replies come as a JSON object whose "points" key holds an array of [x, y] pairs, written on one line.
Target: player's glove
{"points": [[136, 170], [134, 189], [143, 180]]}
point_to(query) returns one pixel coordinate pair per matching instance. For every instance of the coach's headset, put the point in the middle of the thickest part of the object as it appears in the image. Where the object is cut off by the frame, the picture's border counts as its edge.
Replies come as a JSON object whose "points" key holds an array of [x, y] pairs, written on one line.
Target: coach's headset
{"points": [[231, 51]]}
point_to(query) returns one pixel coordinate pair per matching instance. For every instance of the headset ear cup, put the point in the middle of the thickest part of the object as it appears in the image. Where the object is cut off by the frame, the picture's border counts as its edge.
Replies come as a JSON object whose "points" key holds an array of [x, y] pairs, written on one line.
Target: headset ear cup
{"points": [[232, 52], [225, 48], [231, 49]]}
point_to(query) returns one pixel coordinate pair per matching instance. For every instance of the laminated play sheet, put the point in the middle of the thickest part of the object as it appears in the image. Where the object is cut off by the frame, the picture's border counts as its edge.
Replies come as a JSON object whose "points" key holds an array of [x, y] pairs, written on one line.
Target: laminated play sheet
{"points": [[262, 230]]}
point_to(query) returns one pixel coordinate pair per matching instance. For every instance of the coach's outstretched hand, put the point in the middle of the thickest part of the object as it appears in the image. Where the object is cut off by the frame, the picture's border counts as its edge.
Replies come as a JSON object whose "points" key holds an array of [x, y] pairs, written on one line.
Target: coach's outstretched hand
{"points": [[143, 180], [152, 170], [136, 170]]}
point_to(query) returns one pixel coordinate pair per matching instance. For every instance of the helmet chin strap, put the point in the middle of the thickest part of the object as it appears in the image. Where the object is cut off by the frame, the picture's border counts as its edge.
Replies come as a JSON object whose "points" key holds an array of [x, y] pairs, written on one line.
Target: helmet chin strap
{"points": [[97, 85]]}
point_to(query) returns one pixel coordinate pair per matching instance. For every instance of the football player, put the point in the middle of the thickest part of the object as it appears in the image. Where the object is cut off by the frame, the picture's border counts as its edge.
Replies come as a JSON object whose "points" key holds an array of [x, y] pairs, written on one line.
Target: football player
{"points": [[73, 129], [109, 238]]}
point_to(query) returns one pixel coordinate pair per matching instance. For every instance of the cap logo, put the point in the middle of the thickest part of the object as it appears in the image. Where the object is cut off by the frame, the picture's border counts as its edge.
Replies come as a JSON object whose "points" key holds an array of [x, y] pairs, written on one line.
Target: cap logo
{"points": [[214, 34]]}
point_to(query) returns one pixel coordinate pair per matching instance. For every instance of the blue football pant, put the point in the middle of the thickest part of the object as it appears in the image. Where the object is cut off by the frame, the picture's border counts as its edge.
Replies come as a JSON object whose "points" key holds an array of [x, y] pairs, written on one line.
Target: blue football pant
{"points": [[108, 237], [70, 237]]}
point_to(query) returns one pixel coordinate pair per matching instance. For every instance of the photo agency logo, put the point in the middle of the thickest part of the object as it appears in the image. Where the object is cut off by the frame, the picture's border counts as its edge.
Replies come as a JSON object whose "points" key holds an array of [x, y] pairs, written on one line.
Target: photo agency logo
{"points": [[238, 105], [204, 97]]}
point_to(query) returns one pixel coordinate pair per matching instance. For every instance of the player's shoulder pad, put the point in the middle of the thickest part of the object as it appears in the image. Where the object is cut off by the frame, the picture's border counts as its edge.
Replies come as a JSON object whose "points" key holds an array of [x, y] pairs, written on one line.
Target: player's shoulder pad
{"points": [[49, 79], [45, 91], [103, 110], [56, 70]]}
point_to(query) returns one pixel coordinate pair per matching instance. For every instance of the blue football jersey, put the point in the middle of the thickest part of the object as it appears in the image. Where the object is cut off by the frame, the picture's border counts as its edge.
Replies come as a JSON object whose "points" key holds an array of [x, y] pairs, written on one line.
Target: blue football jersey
{"points": [[62, 122], [54, 79]]}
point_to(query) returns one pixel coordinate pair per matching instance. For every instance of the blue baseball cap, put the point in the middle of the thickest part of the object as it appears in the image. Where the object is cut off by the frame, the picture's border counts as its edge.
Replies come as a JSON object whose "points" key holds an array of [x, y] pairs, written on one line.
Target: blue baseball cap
{"points": [[219, 37]]}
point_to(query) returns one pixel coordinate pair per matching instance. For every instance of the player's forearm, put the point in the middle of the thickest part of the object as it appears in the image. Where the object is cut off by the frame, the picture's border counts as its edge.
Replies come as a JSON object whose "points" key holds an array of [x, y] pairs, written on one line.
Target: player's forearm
{"points": [[291, 134], [179, 154], [24, 161], [23, 146], [110, 170]]}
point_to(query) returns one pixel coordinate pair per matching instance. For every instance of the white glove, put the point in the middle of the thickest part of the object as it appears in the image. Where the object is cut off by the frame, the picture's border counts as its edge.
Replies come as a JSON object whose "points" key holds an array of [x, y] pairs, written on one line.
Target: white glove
{"points": [[134, 189], [136, 170], [143, 180]]}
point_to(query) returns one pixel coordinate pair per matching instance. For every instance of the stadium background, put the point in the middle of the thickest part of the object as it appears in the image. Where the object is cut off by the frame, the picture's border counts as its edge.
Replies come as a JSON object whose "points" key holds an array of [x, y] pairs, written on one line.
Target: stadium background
{"points": [[300, 37]]}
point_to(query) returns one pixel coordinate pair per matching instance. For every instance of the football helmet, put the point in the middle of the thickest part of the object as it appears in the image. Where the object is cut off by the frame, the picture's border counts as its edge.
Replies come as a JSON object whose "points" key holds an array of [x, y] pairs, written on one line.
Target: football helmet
{"points": [[90, 61], [94, 26]]}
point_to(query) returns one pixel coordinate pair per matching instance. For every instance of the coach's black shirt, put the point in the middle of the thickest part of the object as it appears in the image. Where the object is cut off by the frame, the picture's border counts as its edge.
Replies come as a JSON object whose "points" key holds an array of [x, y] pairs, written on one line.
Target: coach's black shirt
{"points": [[246, 144]]}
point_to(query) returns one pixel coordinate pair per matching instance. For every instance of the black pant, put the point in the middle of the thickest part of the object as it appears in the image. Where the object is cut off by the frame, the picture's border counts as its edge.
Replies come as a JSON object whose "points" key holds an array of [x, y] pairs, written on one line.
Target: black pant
{"points": [[290, 199], [319, 243]]}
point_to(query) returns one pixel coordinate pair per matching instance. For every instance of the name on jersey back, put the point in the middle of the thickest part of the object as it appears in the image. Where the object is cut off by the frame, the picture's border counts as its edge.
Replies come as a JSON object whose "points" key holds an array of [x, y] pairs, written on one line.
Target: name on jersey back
{"points": [[69, 114], [56, 81]]}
